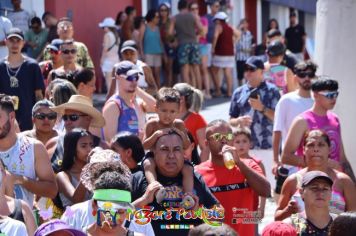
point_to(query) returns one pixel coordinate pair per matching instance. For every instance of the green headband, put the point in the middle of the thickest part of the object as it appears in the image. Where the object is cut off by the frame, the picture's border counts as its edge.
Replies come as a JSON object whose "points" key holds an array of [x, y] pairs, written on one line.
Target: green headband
{"points": [[112, 195]]}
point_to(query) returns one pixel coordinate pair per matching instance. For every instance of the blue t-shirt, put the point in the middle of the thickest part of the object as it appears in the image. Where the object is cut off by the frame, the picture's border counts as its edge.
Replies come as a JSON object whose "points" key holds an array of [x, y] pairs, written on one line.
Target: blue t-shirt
{"points": [[29, 79], [261, 127]]}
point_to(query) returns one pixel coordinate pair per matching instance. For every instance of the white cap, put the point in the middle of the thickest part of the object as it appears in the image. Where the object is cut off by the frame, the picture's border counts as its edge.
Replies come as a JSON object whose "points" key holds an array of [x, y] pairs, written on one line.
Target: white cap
{"points": [[220, 16], [107, 22]]}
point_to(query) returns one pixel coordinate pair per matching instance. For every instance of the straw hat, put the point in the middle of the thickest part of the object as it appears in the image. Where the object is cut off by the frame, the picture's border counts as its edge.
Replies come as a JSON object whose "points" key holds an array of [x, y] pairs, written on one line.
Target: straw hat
{"points": [[84, 105]]}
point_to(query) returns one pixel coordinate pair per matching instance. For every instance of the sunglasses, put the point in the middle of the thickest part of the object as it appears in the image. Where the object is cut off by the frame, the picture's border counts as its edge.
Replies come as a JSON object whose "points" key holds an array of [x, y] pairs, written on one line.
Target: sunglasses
{"points": [[42, 116], [218, 136], [330, 95], [73, 117], [132, 78], [72, 51], [250, 69], [303, 74], [53, 51]]}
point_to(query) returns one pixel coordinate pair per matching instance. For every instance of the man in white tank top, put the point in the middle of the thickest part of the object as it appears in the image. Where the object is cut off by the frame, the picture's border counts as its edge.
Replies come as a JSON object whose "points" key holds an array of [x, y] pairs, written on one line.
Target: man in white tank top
{"points": [[25, 159]]}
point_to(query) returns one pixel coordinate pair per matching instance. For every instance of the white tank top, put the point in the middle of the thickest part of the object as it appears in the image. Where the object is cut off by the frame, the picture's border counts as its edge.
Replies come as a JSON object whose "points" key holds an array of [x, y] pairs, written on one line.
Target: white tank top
{"points": [[20, 160], [141, 79]]}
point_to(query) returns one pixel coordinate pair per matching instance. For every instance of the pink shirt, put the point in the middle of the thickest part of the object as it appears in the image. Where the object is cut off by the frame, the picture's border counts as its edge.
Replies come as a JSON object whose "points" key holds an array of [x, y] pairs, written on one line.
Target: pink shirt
{"points": [[330, 125], [204, 22]]}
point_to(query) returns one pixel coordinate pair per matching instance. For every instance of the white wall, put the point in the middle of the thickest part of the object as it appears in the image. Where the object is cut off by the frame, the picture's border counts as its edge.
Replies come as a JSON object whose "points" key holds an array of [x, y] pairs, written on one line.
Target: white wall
{"points": [[281, 14], [336, 55], [35, 7]]}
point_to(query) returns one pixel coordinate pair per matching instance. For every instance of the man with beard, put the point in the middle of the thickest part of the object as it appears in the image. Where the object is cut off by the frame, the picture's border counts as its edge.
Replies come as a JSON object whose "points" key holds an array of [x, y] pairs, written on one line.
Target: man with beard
{"points": [[124, 111], [290, 106], [25, 158]]}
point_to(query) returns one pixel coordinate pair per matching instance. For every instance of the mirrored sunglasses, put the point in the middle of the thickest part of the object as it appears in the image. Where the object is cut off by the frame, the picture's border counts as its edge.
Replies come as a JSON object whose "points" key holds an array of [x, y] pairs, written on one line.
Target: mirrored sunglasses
{"points": [[132, 78], [219, 136], [330, 95]]}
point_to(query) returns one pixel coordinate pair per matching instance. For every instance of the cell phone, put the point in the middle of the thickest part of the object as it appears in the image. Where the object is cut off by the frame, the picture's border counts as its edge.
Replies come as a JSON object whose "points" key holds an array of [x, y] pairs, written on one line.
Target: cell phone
{"points": [[254, 93]]}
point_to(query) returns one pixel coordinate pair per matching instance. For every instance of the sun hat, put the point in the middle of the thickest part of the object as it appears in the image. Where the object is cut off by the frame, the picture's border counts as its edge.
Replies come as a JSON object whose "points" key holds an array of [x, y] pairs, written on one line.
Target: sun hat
{"points": [[56, 226], [84, 105], [107, 22], [98, 155]]}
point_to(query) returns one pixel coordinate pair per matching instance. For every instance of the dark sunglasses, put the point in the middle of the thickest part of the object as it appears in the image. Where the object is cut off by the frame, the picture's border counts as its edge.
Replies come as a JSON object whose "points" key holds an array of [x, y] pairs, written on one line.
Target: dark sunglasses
{"points": [[132, 78], [42, 116], [303, 74], [73, 117], [330, 95], [251, 69], [72, 51], [53, 51], [218, 136]]}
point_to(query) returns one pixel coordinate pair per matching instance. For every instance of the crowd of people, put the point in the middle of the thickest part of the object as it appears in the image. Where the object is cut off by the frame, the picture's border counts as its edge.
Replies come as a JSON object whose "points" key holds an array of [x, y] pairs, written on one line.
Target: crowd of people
{"points": [[148, 162]]}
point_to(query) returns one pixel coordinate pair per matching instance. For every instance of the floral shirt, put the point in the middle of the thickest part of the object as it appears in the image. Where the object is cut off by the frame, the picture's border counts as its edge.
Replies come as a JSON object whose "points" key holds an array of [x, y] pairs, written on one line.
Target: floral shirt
{"points": [[83, 57], [261, 127]]}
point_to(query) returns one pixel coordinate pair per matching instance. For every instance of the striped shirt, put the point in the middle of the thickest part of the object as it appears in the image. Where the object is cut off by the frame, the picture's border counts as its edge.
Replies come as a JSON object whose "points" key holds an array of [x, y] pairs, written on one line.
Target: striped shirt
{"points": [[244, 46]]}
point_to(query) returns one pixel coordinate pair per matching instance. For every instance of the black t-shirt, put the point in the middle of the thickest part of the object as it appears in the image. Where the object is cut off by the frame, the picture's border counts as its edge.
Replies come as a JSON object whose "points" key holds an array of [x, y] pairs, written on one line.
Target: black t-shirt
{"points": [[289, 60], [294, 36], [177, 225], [29, 79]]}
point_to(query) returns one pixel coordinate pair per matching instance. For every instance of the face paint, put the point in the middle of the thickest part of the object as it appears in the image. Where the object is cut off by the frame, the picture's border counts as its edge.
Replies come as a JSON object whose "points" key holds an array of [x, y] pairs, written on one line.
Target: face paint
{"points": [[109, 212]]}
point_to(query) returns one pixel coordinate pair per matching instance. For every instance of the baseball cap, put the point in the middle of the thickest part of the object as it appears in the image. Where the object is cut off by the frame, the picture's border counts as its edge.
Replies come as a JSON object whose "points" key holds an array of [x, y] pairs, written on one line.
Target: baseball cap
{"points": [[279, 228], [255, 62], [15, 32], [129, 45], [56, 226], [313, 175], [276, 48], [220, 16], [55, 44], [127, 68]]}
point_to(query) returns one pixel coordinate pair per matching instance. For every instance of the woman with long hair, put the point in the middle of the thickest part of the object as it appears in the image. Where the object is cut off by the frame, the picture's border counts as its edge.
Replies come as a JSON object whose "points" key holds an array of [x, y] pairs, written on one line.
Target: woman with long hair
{"points": [[77, 145]]}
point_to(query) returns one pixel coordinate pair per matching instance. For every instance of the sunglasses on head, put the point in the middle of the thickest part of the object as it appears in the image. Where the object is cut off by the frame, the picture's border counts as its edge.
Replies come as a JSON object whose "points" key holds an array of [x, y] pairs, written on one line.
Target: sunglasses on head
{"points": [[72, 117], [249, 68], [303, 74], [132, 78], [330, 95], [72, 51], [218, 136], [42, 116]]}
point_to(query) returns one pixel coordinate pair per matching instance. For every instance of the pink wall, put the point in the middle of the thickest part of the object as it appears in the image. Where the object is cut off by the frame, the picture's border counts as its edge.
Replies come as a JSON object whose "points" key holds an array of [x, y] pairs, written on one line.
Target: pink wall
{"points": [[86, 16]]}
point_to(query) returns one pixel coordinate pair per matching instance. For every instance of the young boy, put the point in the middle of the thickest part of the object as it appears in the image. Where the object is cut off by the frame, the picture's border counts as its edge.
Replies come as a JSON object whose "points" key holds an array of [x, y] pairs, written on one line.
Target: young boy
{"points": [[242, 142], [167, 108]]}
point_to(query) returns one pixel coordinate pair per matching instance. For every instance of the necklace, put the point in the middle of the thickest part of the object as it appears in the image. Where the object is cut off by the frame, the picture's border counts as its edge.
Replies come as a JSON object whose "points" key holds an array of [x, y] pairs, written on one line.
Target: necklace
{"points": [[14, 82]]}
